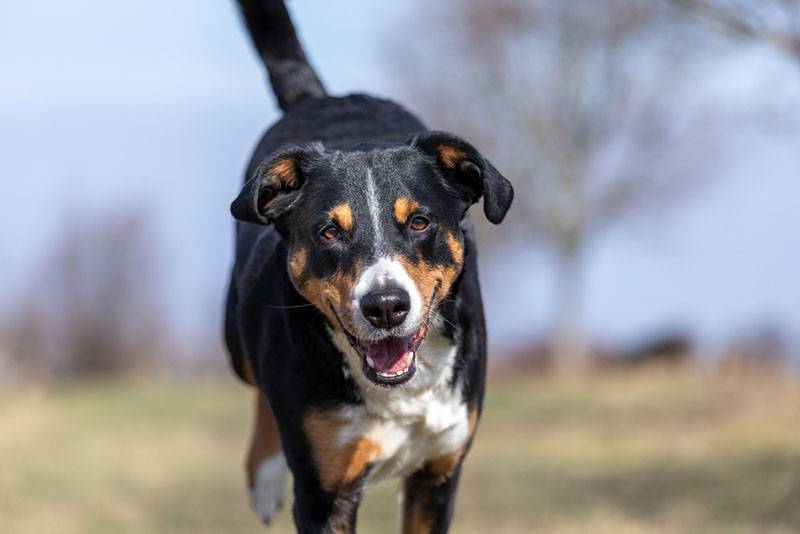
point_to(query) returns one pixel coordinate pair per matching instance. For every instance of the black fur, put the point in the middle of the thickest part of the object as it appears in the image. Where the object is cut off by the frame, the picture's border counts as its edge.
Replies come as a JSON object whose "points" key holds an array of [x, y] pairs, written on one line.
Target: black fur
{"points": [[292, 78], [332, 142]]}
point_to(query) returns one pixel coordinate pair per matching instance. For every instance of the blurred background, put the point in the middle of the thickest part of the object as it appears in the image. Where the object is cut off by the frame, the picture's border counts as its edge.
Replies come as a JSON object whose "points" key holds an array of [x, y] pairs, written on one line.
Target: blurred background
{"points": [[642, 296]]}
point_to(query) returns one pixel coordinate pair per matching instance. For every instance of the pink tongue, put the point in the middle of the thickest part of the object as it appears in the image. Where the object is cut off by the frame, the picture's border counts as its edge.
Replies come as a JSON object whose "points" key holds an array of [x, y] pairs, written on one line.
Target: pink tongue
{"points": [[388, 355]]}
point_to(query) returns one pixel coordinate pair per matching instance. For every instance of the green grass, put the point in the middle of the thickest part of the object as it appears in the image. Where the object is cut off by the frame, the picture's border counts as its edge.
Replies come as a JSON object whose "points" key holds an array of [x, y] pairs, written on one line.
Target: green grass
{"points": [[650, 451]]}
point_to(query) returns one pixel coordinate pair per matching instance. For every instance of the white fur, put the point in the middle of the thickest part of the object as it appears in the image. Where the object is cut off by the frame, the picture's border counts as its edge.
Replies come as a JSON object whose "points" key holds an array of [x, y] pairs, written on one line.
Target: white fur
{"points": [[386, 272], [266, 497], [414, 422], [374, 209]]}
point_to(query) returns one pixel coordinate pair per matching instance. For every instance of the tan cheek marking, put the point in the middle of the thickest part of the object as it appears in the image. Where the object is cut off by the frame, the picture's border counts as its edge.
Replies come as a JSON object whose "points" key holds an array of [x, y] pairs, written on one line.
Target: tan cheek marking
{"points": [[337, 464], [429, 277], [343, 216], [319, 292], [333, 291], [450, 156], [297, 263], [447, 274], [425, 278], [403, 207], [456, 248]]}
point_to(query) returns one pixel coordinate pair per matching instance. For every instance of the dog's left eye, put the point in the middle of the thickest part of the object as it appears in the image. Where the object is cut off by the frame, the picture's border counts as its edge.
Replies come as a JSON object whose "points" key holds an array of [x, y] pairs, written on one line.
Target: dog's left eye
{"points": [[419, 223], [329, 232]]}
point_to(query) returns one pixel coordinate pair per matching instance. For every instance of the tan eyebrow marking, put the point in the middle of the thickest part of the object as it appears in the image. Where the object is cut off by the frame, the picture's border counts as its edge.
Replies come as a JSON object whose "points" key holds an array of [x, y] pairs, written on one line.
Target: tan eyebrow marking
{"points": [[343, 216], [403, 207]]}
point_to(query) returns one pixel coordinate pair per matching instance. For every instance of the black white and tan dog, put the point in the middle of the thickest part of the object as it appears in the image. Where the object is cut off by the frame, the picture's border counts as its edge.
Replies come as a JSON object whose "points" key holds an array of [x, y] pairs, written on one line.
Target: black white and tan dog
{"points": [[354, 305]]}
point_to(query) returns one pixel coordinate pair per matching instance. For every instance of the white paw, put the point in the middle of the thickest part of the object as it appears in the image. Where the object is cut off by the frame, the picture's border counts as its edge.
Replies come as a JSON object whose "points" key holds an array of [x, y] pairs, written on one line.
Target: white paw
{"points": [[266, 498]]}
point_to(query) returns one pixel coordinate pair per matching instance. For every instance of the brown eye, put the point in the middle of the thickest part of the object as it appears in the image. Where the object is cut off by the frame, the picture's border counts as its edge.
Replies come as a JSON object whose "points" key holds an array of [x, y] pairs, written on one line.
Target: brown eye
{"points": [[329, 232], [419, 223]]}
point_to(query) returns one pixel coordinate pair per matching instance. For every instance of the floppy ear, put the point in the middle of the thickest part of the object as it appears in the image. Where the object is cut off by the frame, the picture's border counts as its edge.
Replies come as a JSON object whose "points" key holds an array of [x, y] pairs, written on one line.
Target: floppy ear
{"points": [[469, 172], [274, 186]]}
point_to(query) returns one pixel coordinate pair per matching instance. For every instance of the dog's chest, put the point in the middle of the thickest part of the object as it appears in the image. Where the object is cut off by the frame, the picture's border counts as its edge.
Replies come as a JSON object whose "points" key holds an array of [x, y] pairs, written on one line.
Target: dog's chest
{"points": [[397, 430], [417, 430]]}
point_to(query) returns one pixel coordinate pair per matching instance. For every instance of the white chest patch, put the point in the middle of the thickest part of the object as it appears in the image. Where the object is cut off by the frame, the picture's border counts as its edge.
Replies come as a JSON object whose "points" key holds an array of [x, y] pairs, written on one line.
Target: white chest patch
{"points": [[418, 421]]}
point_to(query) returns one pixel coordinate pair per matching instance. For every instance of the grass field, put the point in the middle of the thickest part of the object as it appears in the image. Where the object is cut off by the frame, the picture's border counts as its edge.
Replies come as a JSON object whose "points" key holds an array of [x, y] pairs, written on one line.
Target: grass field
{"points": [[651, 451]]}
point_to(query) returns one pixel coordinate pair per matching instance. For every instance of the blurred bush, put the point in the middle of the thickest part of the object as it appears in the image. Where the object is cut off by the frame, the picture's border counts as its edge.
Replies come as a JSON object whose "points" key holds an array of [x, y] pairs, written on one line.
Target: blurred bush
{"points": [[93, 307]]}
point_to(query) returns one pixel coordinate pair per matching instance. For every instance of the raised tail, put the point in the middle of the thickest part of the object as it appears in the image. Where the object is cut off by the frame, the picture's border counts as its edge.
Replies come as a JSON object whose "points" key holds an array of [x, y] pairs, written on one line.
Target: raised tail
{"points": [[273, 35]]}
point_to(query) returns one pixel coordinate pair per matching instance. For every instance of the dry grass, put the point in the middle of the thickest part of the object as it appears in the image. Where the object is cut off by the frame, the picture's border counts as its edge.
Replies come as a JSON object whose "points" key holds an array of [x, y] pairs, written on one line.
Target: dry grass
{"points": [[654, 451]]}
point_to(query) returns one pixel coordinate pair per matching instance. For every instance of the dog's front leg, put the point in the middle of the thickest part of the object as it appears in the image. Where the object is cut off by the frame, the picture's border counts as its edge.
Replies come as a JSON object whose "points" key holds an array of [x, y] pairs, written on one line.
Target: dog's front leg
{"points": [[320, 512], [428, 498]]}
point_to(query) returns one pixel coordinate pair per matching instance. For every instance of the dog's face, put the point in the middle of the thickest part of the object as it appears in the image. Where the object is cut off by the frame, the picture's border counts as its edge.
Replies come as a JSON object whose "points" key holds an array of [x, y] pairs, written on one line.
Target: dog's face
{"points": [[374, 235]]}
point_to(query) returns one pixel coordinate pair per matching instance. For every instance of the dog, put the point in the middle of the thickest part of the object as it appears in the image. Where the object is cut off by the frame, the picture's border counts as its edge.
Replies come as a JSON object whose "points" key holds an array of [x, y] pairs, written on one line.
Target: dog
{"points": [[354, 305]]}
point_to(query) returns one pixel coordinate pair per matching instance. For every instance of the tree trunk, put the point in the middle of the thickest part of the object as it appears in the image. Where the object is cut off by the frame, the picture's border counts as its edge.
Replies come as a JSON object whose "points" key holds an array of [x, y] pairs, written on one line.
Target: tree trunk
{"points": [[570, 347]]}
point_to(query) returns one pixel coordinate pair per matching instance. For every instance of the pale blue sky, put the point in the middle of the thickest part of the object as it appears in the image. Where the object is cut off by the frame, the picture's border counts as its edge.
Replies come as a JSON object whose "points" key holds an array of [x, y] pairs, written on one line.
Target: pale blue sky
{"points": [[159, 104]]}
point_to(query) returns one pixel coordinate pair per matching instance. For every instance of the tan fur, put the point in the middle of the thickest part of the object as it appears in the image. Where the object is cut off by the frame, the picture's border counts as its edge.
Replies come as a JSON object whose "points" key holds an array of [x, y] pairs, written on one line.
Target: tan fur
{"points": [[249, 375], [443, 466], [456, 248], [265, 441], [297, 263], [473, 420], [284, 171], [343, 216], [449, 156], [403, 207], [429, 277], [337, 464], [332, 291], [415, 520]]}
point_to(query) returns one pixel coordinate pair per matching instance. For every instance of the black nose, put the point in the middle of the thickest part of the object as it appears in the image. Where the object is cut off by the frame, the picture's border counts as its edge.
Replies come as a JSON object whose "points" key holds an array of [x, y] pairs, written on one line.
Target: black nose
{"points": [[386, 308]]}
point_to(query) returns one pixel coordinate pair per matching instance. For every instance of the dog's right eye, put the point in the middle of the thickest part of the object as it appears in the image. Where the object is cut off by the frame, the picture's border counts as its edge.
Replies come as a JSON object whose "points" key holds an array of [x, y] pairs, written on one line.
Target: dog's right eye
{"points": [[419, 223], [329, 232]]}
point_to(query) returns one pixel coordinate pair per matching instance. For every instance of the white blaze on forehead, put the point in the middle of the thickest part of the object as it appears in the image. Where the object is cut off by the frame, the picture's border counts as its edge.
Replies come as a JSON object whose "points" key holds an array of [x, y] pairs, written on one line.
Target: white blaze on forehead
{"points": [[374, 209], [387, 273]]}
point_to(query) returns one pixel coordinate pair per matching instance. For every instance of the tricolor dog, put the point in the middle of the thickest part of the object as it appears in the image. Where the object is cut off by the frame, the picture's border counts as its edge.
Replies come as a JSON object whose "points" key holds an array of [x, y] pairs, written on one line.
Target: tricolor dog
{"points": [[354, 305]]}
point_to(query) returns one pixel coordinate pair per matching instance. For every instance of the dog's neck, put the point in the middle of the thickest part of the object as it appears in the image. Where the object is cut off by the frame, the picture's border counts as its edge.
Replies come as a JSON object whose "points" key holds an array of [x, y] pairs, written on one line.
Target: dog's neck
{"points": [[433, 379]]}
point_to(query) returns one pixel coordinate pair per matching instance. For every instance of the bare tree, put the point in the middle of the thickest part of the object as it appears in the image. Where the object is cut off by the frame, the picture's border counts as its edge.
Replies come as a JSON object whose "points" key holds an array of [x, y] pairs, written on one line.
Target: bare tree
{"points": [[563, 95], [776, 22], [93, 307]]}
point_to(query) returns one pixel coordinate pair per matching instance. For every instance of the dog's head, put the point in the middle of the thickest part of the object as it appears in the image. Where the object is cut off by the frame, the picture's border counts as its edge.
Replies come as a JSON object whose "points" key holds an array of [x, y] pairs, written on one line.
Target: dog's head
{"points": [[374, 235]]}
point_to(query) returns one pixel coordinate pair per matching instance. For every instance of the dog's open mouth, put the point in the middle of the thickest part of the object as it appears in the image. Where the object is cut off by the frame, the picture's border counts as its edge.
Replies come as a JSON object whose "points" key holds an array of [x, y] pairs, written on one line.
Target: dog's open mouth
{"points": [[389, 361]]}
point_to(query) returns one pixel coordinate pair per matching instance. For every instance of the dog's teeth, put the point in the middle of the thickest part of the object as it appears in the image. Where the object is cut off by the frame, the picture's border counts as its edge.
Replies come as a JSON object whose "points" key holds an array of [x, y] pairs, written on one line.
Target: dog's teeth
{"points": [[409, 358], [370, 362]]}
